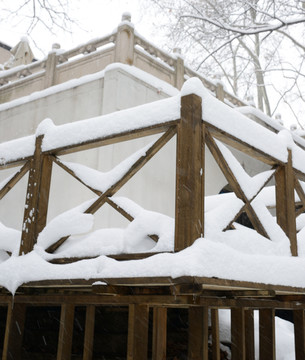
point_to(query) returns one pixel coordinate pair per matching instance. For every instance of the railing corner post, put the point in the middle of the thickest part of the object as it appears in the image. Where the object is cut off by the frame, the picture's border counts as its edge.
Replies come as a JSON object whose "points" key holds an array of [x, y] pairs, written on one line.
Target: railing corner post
{"points": [[189, 214]]}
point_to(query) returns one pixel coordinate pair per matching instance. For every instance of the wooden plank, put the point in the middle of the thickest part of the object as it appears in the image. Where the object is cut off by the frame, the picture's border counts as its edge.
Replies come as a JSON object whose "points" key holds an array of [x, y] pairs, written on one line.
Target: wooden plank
{"points": [[65, 332], [36, 206], [198, 334], [238, 334], [189, 213], [123, 180], [114, 138], [299, 334], [249, 329], [89, 332], [228, 173], [241, 145], [159, 333], [14, 180], [285, 202], [266, 334], [137, 332], [215, 335], [14, 330]]}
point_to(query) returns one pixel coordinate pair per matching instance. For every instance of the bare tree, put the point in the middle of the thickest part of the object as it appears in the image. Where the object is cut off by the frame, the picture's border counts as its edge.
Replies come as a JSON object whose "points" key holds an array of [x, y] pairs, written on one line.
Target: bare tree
{"points": [[247, 41]]}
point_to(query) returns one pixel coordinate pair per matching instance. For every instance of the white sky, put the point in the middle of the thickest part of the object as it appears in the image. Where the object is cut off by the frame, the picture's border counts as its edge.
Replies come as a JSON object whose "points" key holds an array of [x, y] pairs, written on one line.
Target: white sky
{"points": [[95, 17]]}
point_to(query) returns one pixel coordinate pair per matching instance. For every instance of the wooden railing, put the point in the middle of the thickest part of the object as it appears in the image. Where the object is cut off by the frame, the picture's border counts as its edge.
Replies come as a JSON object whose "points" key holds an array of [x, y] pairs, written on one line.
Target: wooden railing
{"points": [[193, 133]]}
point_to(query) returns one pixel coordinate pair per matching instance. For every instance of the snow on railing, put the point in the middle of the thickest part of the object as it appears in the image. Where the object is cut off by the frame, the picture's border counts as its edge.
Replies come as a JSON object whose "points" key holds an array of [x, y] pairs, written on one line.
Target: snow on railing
{"points": [[194, 126]]}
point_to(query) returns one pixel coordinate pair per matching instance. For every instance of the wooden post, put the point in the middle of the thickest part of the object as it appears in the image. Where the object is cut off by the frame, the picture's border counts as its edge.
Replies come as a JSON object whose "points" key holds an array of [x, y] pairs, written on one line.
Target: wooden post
{"points": [[189, 224], [266, 334], [198, 333], [37, 198], [249, 329], [65, 332], [124, 45], [285, 204], [14, 330], [238, 341], [137, 332], [159, 333], [215, 334], [299, 334], [50, 72], [89, 332]]}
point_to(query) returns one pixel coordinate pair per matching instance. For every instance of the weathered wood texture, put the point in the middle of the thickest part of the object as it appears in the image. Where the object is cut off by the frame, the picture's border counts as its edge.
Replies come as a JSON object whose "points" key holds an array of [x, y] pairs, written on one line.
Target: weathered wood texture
{"points": [[249, 330], [137, 332], [65, 332], [89, 333], [228, 173], [14, 330], [37, 198], [285, 202], [159, 333], [189, 216], [14, 180], [198, 334], [238, 335], [215, 334], [266, 334], [299, 334]]}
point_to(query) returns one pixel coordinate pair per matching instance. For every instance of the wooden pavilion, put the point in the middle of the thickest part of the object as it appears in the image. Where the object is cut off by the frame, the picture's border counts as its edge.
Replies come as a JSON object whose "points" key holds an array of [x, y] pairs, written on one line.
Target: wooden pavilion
{"points": [[149, 300]]}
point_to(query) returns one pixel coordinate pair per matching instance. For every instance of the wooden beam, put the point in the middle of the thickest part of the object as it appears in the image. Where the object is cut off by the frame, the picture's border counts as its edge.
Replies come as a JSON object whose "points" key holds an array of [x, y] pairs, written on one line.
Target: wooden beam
{"points": [[14, 180], [123, 180], [266, 334], [242, 146], [198, 334], [285, 202], [189, 214], [215, 335], [114, 138], [14, 330], [37, 198], [137, 332], [299, 334], [65, 332], [249, 329], [89, 332], [159, 333], [229, 175], [238, 334]]}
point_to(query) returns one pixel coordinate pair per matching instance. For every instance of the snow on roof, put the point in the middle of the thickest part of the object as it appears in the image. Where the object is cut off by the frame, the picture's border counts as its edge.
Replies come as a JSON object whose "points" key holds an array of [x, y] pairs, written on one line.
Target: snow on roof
{"points": [[240, 254]]}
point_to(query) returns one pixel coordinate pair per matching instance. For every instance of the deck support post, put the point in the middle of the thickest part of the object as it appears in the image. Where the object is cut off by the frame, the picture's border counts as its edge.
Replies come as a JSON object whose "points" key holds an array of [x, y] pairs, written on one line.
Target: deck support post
{"points": [[14, 330], [198, 334], [299, 333], [189, 224], [215, 334], [137, 332], [266, 334], [249, 330], [65, 332], [159, 333], [238, 336], [89, 332], [285, 204]]}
